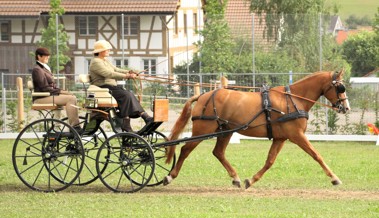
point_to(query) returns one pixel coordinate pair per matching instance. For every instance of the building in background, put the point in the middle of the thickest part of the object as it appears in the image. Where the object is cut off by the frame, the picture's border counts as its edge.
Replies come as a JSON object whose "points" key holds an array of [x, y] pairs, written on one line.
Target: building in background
{"points": [[141, 44]]}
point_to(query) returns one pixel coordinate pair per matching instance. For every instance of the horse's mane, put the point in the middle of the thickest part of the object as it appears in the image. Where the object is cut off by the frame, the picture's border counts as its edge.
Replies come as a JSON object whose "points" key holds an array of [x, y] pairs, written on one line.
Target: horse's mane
{"points": [[310, 76]]}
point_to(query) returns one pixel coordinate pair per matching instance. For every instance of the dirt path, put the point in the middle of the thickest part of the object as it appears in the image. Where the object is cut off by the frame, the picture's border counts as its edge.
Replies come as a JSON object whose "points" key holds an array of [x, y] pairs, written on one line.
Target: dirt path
{"points": [[274, 193], [223, 191]]}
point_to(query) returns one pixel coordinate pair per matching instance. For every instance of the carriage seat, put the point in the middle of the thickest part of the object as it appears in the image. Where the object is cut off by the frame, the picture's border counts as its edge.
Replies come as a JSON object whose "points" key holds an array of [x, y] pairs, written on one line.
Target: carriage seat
{"points": [[103, 97], [39, 106]]}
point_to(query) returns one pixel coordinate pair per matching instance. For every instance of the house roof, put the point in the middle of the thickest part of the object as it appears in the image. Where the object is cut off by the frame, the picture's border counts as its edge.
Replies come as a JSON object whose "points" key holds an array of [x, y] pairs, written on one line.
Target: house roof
{"points": [[38, 7], [240, 21], [343, 35]]}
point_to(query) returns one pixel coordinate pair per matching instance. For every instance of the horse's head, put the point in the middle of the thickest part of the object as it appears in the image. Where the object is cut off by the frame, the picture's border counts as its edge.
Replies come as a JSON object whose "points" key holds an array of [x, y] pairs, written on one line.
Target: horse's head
{"points": [[336, 93]]}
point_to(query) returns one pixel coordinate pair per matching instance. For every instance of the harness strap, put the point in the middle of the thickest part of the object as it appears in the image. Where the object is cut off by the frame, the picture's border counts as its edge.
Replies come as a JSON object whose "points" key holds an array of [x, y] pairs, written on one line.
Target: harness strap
{"points": [[293, 116], [220, 121], [288, 96], [266, 104], [266, 109]]}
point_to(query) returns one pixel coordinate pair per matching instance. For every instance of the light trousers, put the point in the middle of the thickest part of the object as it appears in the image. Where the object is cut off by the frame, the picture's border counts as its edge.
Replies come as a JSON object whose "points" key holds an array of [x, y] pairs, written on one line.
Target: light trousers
{"points": [[67, 100]]}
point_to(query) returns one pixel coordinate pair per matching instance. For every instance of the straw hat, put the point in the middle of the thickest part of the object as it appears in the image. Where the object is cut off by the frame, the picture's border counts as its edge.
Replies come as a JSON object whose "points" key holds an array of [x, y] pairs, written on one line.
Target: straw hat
{"points": [[101, 45]]}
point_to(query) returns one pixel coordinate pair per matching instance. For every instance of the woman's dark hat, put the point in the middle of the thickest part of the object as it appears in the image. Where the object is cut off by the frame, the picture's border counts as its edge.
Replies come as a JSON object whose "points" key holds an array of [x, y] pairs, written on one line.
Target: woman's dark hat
{"points": [[42, 52]]}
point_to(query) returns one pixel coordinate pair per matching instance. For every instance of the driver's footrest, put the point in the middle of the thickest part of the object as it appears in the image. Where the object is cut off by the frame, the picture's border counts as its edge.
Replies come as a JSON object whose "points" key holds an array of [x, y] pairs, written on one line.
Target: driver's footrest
{"points": [[147, 129]]}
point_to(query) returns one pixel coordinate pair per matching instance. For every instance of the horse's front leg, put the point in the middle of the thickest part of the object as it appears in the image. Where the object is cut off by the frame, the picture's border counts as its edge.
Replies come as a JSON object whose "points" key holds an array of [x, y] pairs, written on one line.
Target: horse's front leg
{"points": [[219, 153], [302, 141], [184, 152], [276, 146]]}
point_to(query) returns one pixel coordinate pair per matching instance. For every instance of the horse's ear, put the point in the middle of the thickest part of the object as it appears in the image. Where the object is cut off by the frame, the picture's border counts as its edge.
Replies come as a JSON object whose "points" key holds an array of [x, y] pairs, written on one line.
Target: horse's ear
{"points": [[340, 74]]}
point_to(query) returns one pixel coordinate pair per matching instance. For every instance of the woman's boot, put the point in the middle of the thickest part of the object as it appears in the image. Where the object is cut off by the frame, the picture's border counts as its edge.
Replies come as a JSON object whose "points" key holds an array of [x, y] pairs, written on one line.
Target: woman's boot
{"points": [[147, 118], [126, 125]]}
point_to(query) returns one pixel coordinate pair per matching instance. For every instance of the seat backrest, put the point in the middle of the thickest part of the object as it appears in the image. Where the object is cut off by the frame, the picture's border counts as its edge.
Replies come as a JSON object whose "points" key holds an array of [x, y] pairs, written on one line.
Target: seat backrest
{"points": [[30, 85], [84, 78]]}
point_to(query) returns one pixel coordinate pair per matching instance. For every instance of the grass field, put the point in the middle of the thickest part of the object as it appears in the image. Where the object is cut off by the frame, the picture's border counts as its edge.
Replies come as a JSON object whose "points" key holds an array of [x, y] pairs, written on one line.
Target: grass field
{"points": [[359, 8], [294, 187]]}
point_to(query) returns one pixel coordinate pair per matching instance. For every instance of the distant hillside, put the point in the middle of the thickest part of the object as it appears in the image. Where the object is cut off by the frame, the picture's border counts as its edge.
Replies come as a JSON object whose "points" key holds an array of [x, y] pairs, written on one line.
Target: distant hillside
{"points": [[359, 8]]}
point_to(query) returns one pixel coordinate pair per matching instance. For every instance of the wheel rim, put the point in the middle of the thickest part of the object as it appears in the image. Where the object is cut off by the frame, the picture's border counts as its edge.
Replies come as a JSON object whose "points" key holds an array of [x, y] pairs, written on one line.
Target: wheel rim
{"points": [[91, 140], [48, 155], [161, 168], [130, 160]]}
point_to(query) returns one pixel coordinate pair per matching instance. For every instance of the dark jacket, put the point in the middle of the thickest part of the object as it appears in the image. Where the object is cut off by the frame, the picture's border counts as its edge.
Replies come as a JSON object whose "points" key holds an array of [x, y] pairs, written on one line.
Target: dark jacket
{"points": [[43, 81]]}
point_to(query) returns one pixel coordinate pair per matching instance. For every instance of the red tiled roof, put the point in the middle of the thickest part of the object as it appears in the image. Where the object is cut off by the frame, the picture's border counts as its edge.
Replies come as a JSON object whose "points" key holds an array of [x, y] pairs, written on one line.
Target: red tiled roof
{"points": [[240, 20], [342, 35], [36, 7]]}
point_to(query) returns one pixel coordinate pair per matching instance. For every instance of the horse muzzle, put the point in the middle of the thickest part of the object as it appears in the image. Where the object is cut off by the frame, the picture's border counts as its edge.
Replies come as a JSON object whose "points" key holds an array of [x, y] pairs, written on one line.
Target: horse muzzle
{"points": [[342, 106]]}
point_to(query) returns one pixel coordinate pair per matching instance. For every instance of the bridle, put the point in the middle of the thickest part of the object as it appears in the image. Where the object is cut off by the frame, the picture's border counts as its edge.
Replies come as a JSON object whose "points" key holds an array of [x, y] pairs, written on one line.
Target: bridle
{"points": [[339, 89]]}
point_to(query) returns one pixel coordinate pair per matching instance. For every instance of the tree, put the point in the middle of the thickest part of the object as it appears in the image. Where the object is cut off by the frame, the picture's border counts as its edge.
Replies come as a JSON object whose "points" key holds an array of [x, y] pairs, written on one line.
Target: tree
{"points": [[215, 50], [376, 29], [282, 15], [49, 39], [361, 51], [296, 26]]}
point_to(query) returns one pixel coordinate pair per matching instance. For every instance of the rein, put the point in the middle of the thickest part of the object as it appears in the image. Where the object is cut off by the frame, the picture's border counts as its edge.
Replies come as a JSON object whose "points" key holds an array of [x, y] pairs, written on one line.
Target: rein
{"points": [[307, 99]]}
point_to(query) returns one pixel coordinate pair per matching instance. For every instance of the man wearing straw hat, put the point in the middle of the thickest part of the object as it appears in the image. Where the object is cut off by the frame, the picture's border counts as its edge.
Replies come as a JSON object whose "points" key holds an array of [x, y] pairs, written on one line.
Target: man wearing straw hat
{"points": [[104, 74]]}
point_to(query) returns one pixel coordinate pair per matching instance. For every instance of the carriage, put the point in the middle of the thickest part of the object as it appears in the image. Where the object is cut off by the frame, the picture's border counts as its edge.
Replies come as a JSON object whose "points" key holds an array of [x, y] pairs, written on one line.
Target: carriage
{"points": [[49, 155]]}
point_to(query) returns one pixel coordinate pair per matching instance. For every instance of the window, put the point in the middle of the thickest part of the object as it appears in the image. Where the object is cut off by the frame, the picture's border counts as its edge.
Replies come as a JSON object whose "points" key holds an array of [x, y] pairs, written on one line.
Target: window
{"points": [[195, 22], [149, 66], [87, 25], [119, 63], [131, 25], [176, 28], [185, 24], [5, 31]]}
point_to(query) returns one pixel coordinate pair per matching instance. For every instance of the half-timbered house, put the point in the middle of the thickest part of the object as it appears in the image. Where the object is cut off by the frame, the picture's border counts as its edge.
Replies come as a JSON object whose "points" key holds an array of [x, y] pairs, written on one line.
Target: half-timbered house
{"points": [[142, 43]]}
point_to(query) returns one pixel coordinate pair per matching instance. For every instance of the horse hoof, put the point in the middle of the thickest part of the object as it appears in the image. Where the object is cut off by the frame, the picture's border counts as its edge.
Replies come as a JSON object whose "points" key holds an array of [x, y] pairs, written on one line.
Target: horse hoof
{"points": [[336, 182], [167, 180], [247, 184], [237, 183]]}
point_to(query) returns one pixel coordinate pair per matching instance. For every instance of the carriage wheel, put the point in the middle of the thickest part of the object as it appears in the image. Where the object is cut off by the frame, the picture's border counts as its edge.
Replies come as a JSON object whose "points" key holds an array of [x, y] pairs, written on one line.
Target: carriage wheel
{"points": [[48, 155], [130, 162], [161, 168], [92, 138]]}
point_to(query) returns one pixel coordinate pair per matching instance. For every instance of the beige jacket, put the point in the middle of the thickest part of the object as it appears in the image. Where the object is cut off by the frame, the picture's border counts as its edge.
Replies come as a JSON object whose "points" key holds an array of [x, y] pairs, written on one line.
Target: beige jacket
{"points": [[102, 72]]}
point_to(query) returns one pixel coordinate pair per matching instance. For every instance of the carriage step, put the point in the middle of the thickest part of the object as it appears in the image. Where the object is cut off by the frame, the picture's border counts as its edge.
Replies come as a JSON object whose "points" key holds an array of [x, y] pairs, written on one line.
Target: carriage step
{"points": [[54, 136], [146, 130]]}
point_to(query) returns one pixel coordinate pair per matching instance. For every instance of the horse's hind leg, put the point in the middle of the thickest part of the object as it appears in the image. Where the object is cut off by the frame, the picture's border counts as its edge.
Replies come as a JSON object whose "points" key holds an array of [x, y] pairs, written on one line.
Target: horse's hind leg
{"points": [[219, 153], [184, 152], [276, 146], [302, 141]]}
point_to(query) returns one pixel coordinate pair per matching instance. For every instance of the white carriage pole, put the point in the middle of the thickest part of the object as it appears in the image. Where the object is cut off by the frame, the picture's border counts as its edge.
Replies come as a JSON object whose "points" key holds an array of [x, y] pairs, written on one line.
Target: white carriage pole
{"points": [[57, 42]]}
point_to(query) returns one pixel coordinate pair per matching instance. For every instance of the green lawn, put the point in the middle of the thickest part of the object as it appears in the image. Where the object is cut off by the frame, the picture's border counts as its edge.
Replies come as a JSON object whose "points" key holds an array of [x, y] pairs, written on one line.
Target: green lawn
{"points": [[294, 187], [359, 8]]}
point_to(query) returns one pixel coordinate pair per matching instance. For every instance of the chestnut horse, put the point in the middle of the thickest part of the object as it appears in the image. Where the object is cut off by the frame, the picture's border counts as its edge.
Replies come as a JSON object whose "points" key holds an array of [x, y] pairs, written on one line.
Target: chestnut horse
{"points": [[279, 113]]}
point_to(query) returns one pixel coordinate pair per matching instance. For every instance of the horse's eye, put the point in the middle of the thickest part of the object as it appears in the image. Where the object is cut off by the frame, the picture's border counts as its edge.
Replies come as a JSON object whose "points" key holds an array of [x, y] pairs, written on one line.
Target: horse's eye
{"points": [[341, 88]]}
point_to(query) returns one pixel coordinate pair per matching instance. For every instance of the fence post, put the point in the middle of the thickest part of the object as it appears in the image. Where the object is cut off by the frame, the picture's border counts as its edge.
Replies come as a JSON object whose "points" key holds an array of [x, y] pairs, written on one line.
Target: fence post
{"points": [[196, 89], [20, 105]]}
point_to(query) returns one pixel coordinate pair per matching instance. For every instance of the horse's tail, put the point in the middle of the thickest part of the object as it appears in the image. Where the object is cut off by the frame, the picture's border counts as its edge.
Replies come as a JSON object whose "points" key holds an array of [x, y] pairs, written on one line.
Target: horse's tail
{"points": [[178, 128]]}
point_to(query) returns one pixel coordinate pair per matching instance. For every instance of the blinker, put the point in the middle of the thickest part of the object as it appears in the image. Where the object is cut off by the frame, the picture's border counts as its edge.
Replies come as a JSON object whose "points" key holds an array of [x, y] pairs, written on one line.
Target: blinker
{"points": [[340, 88]]}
